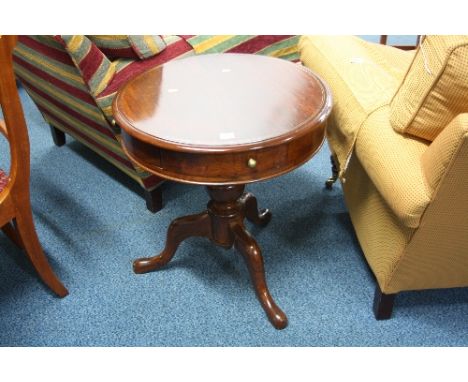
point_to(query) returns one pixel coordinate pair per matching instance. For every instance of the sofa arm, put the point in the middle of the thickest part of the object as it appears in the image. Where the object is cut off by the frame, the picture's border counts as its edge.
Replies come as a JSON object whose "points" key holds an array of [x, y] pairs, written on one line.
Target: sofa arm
{"points": [[393, 163], [442, 151], [437, 255], [96, 69]]}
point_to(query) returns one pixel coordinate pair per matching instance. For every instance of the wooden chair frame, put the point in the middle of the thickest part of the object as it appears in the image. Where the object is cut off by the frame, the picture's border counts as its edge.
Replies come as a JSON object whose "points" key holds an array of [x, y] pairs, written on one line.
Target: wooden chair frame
{"points": [[16, 219]]}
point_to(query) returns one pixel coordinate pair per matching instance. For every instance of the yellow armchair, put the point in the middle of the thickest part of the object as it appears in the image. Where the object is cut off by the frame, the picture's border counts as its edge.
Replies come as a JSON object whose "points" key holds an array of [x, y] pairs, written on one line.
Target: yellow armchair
{"points": [[399, 139]]}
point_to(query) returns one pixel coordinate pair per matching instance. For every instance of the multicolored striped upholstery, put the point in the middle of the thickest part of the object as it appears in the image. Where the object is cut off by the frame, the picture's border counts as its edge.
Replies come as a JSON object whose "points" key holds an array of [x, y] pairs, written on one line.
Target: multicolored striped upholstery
{"points": [[95, 68], [55, 84], [281, 46], [59, 79], [131, 46], [3, 180], [176, 48]]}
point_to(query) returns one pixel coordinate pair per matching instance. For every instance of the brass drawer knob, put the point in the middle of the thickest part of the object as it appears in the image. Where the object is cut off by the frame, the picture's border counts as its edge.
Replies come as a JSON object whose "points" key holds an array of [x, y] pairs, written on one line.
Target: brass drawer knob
{"points": [[252, 163], [113, 122]]}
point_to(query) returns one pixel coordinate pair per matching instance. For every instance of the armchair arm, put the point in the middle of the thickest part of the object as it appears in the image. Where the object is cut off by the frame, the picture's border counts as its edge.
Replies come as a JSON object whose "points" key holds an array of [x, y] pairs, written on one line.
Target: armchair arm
{"points": [[437, 257], [443, 151], [96, 69], [393, 163]]}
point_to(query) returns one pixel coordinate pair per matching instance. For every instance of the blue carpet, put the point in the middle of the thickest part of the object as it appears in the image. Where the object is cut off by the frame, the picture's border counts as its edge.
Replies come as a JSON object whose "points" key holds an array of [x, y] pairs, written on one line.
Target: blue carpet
{"points": [[92, 223]]}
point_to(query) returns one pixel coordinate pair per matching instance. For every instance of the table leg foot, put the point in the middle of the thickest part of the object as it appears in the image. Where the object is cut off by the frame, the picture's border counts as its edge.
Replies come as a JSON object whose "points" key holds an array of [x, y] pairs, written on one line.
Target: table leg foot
{"points": [[252, 255], [252, 213], [179, 230]]}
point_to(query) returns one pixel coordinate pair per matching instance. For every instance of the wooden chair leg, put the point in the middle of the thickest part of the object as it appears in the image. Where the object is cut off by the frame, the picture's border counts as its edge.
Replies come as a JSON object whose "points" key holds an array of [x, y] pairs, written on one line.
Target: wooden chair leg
{"points": [[154, 199], [25, 228], [383, 304], [58, 136], [9, 230]]}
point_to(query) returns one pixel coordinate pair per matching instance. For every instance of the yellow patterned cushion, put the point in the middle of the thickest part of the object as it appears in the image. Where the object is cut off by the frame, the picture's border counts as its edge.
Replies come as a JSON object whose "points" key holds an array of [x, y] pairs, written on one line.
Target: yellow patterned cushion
{"points": [[362, 76], [435, 88]]}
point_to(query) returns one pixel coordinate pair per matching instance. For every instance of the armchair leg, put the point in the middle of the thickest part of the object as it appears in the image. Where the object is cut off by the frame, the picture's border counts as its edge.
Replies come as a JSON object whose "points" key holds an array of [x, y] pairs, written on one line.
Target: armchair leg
{"points": [[330, 181], [383, 304], [58, 136], [154, 199]]}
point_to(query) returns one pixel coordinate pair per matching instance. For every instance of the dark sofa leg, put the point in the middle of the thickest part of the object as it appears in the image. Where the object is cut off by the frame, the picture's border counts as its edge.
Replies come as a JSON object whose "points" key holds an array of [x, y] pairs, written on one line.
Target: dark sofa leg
{"points": [[154, 199], [383, 304], [58, 136], [330, 181]]}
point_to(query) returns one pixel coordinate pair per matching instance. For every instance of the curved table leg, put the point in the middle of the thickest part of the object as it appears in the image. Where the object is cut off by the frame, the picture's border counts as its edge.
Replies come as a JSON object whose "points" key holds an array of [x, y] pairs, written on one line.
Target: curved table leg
{"points": [[252, 255], [249, 202], [179, 230]]}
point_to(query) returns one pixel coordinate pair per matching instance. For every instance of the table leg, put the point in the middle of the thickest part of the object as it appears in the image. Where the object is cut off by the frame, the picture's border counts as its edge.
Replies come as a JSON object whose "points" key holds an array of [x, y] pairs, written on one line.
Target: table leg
{"points": [[249, 202], [222, 223], [252, 255], [179, 230]]}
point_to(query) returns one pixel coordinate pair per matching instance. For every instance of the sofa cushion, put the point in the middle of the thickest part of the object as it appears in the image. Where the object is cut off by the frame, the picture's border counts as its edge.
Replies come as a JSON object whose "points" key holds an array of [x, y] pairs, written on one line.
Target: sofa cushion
{"points": [[363, 77], [176, 47], [3, 180], [280, 46], [393, 163], [129, 46], [434, 89]]}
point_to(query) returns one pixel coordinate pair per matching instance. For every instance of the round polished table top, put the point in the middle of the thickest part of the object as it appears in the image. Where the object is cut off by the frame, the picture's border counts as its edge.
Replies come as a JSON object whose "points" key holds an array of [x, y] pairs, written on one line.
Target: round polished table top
{"points": [[221, 119], [219, 102]]}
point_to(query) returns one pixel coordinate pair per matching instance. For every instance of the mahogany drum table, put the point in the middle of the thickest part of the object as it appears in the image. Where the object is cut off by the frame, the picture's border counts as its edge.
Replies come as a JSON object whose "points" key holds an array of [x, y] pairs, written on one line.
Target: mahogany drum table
{"points": [[223, 120]]}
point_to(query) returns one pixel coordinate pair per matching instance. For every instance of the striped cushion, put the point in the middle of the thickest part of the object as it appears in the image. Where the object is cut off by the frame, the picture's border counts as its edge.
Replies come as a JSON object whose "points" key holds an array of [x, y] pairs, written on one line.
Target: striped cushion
{"points": [[3, 180], [96, 69], [281, 46], [131, 46], [435, 88], [182, 46], [126, 68]]}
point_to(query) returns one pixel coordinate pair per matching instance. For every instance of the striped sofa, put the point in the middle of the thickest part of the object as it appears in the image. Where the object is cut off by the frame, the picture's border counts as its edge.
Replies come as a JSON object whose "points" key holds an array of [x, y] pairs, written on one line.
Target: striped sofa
{"points": [[73, 80]]}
